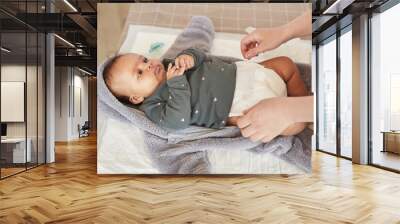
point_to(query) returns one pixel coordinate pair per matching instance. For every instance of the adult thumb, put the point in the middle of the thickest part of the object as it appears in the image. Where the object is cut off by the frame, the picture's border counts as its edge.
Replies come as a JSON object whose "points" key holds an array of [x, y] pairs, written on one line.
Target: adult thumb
{"points": [[253, 52], [246, 111]]}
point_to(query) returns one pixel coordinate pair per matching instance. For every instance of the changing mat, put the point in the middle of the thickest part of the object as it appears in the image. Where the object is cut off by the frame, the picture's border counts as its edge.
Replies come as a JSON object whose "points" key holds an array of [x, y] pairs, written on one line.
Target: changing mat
{"points": [[141, 39]]}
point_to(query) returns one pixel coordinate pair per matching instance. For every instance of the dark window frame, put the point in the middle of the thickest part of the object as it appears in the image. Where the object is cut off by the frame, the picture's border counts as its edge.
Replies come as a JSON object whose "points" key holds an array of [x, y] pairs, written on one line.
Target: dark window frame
{"points": [[334, 37]]}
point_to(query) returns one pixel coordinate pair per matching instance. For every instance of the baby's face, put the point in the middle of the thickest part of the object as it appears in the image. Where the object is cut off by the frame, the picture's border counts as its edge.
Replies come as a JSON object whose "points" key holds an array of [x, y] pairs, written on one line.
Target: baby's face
{"points": [[136, 76]]}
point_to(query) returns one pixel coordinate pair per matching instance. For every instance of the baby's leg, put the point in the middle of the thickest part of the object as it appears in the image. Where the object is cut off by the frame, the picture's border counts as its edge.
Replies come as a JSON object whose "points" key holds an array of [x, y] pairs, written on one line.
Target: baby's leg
{"points": [[289, 72]]}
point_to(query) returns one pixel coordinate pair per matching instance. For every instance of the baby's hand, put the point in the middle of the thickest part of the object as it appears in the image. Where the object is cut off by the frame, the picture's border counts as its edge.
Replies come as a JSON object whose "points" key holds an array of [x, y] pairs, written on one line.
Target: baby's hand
{"points": [[185, 61], [174, 71]]}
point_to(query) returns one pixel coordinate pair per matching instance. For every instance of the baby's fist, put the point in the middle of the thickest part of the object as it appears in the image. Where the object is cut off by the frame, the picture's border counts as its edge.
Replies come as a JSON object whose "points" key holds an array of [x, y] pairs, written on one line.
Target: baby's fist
{"points": [[184, 61], [174, 71]]}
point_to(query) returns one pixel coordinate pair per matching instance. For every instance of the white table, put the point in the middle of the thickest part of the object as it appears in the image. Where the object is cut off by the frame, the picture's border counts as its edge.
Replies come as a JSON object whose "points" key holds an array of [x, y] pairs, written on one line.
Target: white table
{"points": [[18, 144]]}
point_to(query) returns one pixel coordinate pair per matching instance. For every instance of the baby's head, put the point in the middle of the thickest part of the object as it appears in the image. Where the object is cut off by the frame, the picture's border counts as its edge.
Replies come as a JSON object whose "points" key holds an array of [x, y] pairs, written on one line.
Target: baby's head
{"points": [[132, 77]]}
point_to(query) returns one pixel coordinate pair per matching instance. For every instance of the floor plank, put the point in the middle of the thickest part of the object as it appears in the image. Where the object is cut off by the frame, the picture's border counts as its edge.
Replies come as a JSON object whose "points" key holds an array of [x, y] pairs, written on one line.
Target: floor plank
{"points": [[70, 191]]}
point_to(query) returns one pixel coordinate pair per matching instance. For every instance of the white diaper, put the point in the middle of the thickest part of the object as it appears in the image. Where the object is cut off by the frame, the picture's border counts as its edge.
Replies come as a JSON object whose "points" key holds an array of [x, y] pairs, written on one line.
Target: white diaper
{"points": [[254, 82]]}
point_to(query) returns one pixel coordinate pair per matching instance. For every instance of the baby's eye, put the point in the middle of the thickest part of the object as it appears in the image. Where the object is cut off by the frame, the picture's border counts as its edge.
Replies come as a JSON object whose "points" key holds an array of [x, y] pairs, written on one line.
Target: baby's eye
{"points": [[145, 60]]}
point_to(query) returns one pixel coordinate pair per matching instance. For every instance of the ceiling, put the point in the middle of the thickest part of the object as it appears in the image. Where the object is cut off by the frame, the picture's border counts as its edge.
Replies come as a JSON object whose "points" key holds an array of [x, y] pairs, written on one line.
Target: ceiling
{"points": [[329, 16], [72, 20], [76, 22]]}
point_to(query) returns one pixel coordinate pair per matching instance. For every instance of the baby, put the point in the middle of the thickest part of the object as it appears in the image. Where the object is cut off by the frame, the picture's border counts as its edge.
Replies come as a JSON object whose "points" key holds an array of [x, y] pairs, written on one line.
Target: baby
{"points": [[198, 89]]}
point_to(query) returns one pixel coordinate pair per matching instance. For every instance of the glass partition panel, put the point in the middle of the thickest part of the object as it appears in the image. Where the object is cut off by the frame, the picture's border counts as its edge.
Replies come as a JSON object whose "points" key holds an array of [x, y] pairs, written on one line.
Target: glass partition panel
{"points": [[41, 79], [22, 63], [385, 89], [346, 94], [327, 96], [31, 100], [14, 153]]}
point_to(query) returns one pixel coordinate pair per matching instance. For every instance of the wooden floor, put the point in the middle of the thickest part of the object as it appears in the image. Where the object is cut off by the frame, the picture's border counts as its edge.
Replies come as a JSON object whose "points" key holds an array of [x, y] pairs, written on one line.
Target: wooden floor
{"points": [[10, 171], [70, 191]]}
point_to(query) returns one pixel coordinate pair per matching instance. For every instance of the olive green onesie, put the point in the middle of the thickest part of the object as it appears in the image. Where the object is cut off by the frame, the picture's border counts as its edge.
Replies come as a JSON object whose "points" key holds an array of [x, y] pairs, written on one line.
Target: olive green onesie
{"points": [[202, 96]]}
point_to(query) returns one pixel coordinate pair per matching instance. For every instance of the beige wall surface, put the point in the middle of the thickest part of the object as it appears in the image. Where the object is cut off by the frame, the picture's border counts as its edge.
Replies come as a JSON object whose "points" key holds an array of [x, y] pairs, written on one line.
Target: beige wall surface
{"points": [[110, 19]]}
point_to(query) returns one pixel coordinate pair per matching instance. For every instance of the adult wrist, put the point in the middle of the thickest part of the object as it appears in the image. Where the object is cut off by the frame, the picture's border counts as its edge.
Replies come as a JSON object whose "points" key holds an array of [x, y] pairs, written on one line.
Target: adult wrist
{"points": [[287, 32], [300, 109], [290, 106]]}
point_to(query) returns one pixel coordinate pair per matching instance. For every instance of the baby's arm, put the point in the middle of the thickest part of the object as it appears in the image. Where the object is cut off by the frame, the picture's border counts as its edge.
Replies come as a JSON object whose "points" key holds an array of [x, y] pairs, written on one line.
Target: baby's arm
{"points": [[289, 72], [197, 55], [172, 111]]}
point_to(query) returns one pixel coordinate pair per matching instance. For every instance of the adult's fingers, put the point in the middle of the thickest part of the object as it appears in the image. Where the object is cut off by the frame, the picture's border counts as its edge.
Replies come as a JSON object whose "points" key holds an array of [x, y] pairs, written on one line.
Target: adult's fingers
{"points": [[248, 131], [243, 121], [257, 136], [246, 111], [253, 52], [245, 43], [267, 138]]}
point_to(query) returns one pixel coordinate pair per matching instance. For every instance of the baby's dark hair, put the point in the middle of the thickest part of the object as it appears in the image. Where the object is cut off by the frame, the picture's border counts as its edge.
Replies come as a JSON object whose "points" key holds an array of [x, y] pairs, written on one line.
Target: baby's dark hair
{"points": [[107, 76]]}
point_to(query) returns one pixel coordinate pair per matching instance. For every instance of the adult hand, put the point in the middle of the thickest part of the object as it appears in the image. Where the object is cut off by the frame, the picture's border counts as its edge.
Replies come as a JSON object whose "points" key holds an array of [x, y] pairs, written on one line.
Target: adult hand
{"points": [[266, 39], [265, 120], [261, 40]]}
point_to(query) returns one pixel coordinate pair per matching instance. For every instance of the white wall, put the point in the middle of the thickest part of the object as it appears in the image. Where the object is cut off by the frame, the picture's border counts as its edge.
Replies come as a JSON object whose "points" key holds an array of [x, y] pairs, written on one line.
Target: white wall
{"points": [[360, 90], [69, 82], [80, 83], [61, 103]]}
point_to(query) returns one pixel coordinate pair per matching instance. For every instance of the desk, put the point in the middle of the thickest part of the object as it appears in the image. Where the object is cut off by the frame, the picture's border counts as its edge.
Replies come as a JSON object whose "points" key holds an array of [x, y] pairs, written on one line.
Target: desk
{"points": [[391, 141], [16, 147]]}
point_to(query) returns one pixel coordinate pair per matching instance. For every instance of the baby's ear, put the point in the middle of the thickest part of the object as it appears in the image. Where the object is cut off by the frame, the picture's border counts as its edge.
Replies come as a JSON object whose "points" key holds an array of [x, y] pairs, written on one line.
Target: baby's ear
{"points": [[136, 99]]}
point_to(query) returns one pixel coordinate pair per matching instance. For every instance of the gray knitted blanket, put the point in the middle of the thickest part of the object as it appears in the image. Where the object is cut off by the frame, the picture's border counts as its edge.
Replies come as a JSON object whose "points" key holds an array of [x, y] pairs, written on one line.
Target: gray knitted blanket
{"points": [[185, 151]]}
